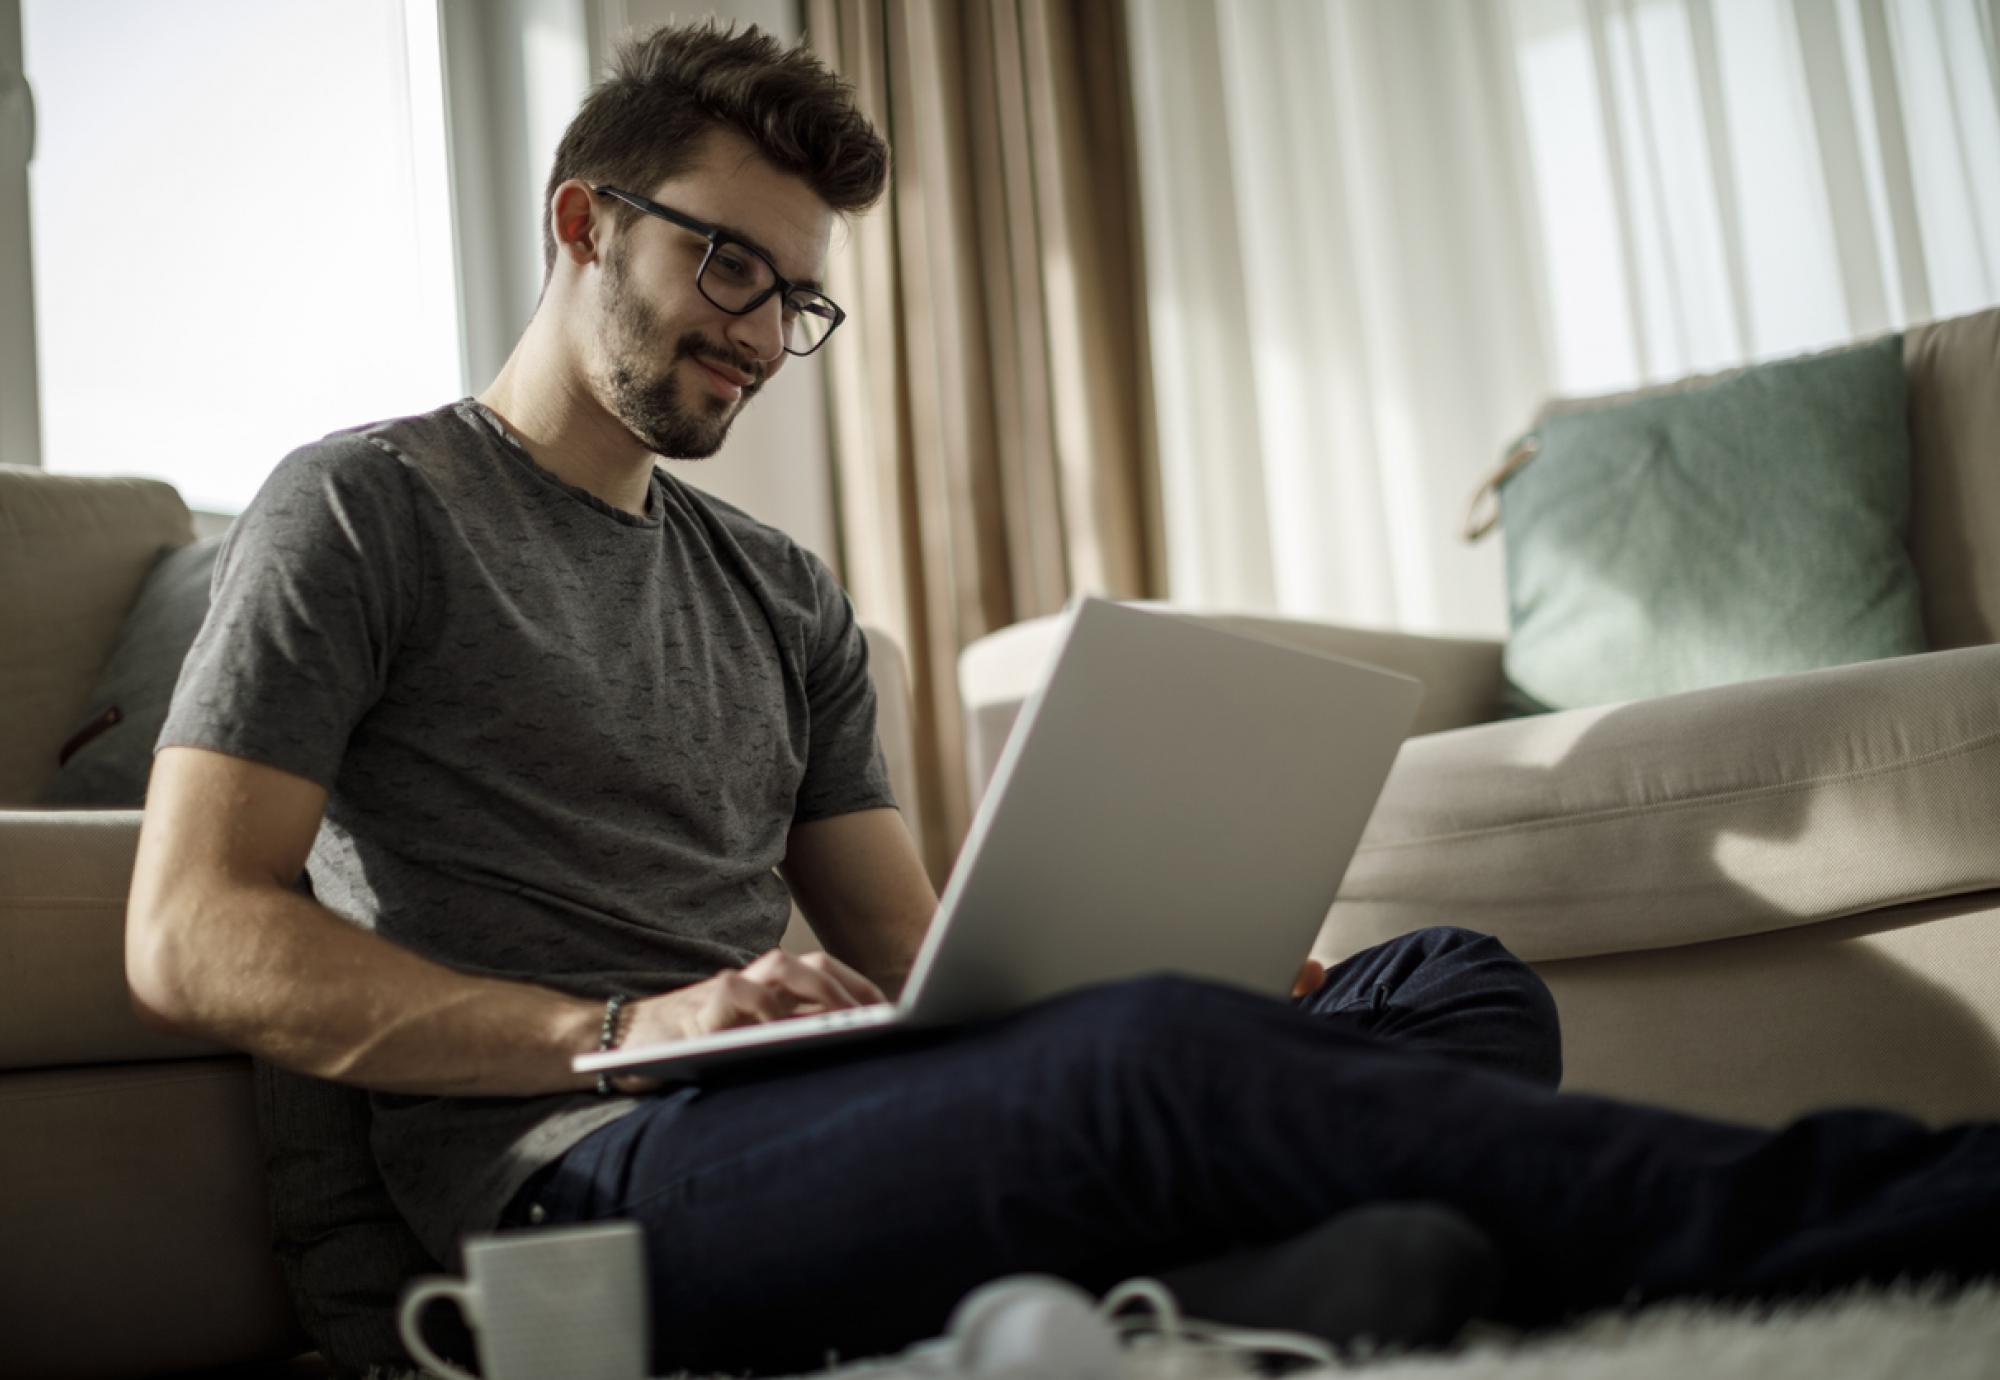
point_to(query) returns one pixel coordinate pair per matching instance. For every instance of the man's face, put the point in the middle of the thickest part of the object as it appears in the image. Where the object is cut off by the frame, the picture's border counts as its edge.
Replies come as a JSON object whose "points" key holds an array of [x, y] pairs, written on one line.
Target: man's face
{"points": [[673, 367]]}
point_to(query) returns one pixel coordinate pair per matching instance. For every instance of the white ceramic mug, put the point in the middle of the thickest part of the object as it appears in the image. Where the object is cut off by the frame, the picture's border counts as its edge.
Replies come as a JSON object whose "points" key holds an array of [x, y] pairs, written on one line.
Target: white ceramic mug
{"points": [[548, 1302]]}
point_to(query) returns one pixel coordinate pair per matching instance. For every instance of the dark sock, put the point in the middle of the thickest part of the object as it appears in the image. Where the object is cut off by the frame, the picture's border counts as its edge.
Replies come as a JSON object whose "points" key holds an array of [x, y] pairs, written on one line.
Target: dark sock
{"points": [[1404, 1275]]}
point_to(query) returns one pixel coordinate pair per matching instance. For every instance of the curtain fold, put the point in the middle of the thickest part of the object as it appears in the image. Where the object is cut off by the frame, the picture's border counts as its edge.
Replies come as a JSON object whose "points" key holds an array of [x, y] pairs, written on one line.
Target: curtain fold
{"points": [[989, 394]]}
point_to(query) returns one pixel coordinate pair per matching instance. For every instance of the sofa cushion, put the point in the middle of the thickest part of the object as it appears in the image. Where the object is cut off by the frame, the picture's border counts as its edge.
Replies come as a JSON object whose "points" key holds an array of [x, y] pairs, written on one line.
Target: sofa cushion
{"points": [[1898, 1008], [110, 754], [73, 550], [1707, 815], [64, 877], [1714, 532], [136, 1240]]}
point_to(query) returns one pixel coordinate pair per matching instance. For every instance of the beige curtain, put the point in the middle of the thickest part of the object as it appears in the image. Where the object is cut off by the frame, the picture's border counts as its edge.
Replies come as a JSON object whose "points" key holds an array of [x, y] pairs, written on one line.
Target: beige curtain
{"points": [[989, 390]]}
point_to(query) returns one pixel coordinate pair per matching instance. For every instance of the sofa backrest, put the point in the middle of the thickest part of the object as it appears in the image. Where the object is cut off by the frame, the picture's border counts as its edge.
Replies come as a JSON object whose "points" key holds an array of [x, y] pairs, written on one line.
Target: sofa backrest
{"points": [[1952, 370], [73, 552]]}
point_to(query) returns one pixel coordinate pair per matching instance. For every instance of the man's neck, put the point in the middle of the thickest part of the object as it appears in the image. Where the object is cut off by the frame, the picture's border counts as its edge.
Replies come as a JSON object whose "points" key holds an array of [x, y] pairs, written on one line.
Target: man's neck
{"points": [[566, 431]]}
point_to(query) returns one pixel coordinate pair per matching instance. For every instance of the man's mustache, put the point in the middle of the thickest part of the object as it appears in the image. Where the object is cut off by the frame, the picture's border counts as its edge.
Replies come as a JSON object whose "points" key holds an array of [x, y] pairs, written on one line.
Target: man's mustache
{"points": [[749, 368]]}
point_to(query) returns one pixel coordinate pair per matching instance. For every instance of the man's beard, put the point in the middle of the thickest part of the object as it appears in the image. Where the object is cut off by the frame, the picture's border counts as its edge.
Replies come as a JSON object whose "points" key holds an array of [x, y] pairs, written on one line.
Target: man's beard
{"points": [[650, 402]]}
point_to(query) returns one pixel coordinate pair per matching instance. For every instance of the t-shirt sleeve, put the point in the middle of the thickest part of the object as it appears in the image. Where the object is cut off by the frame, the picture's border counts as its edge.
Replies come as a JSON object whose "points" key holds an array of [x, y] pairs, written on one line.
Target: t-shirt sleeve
{"points": [[845, 770], [313, 586]]}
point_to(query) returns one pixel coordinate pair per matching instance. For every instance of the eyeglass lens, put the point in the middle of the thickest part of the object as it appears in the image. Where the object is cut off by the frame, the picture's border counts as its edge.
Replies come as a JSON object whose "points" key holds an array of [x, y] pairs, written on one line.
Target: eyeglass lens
{"points": [[733, 277]]}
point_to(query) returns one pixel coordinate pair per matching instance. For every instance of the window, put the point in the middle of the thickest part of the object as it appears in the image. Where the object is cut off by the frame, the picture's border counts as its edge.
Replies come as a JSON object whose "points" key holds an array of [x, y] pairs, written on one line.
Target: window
{"points": [[241, 231], [19, 430]]}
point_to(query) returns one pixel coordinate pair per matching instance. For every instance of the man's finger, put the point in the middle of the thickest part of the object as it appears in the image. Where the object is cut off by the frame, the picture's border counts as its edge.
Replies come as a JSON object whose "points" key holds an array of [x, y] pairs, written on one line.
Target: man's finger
{"points": [[859, 987], [741, 1000], [808, 982]]}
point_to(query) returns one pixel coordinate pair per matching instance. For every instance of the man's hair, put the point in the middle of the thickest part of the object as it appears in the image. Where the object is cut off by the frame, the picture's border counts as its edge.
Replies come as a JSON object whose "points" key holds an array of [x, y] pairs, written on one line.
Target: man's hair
{"points": [[667, 89]]}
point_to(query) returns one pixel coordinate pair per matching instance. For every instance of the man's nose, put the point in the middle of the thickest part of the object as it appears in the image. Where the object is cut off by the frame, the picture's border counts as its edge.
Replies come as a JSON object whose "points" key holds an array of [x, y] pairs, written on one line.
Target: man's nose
{"points": [[760, 333]]}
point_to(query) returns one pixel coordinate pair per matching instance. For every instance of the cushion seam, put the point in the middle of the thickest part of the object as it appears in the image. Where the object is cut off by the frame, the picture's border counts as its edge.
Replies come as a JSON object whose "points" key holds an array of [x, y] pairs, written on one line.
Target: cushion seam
{"points": [[20, 1097], [1965, 749]]}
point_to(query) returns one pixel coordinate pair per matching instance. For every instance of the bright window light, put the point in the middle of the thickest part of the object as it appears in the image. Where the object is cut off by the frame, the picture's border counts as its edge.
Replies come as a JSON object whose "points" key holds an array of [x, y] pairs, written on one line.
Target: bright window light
{"points": [[241, 231]]}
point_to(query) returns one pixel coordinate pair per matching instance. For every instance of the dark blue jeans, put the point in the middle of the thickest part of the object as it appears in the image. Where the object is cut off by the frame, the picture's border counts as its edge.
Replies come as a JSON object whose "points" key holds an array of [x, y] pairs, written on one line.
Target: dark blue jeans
{"points": [[846, 1205]]}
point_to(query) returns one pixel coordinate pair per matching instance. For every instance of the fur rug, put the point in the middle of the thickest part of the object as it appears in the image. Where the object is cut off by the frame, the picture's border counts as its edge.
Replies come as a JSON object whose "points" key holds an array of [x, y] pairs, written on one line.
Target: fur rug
{"points": [[1865, 1335], [1868, 1334]]}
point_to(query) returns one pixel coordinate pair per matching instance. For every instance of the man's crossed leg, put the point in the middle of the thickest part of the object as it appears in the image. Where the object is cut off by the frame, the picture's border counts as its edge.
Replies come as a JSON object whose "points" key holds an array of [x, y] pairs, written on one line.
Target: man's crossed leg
{"points": [[847, 1204]]}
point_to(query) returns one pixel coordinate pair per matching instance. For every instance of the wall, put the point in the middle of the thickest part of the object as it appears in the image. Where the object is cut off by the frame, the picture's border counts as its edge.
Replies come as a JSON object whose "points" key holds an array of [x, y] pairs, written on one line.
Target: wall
{"points": [[20, 429]]}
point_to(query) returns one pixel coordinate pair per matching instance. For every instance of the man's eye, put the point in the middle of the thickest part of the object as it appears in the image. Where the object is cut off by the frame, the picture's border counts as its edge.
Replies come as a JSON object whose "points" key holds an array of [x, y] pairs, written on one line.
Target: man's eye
{"points": [[735, 265]]}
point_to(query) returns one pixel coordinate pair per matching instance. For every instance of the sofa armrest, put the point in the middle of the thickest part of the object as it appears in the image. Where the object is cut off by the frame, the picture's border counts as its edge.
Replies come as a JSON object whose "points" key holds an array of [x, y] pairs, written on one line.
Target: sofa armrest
{"points": [[889, 670], [1709, 815], [998, 672], [64, 878], [1461, 675]]}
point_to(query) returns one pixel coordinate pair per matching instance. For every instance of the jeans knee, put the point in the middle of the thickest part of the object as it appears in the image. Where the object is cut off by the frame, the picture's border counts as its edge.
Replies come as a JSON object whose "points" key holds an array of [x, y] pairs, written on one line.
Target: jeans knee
{"points": [[1477, 963], [1543, 1050], [1540, 1046], [1472, 950], [1444, 939]]}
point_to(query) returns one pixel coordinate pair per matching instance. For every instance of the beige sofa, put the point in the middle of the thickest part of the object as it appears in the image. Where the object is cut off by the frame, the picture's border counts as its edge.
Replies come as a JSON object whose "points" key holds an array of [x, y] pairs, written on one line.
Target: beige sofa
{"points": [[1751, 901], [134, 1232]]}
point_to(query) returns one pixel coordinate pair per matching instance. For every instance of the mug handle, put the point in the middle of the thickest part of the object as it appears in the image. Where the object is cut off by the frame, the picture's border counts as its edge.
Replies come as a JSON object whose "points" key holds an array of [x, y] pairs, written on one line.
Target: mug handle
{"points": [[419, 1293]]}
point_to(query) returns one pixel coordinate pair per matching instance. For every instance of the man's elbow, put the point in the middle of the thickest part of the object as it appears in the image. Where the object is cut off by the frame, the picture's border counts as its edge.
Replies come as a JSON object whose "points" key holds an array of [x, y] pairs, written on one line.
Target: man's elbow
{"points": [[158, 993], [153, 1017]]}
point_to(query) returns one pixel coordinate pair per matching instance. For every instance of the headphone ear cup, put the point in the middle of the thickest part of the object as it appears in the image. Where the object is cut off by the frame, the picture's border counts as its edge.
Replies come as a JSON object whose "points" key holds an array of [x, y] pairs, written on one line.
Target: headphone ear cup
{"points": [[1033, 1326]]}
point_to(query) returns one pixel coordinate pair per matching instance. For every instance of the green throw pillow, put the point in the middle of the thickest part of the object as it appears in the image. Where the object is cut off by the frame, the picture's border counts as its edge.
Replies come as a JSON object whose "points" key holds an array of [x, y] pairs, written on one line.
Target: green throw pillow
{"points": [[109, 757], [1748, 527]]}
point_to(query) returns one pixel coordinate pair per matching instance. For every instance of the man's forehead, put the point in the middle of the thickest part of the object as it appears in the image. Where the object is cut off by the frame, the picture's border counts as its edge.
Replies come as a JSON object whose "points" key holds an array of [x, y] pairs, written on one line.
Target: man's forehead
{"points": [[733, 187]]}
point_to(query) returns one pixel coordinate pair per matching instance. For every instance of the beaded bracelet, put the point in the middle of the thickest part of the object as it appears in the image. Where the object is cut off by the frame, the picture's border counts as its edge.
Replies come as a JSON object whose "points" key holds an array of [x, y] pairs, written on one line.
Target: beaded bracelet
{"points": [[608, 1036]]}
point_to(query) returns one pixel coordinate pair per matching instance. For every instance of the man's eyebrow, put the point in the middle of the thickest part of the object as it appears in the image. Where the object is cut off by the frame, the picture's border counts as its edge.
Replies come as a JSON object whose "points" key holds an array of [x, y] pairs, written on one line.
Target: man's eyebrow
{"points": [[740, 237]]}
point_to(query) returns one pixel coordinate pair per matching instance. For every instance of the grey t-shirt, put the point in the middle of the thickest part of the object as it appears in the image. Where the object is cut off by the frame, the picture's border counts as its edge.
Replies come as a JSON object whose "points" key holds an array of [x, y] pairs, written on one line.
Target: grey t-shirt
{"points": [[561, 744]]}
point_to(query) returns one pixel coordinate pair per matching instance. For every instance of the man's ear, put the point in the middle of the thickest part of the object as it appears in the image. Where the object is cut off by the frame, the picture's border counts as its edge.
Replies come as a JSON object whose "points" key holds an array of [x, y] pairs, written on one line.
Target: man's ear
{"points": [[573, 217]]}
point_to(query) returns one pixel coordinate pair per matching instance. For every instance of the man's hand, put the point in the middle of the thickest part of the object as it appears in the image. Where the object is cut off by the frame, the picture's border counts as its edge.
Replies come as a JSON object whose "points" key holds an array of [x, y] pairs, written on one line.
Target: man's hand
{"points": [[775, 987], [1311, 975]]}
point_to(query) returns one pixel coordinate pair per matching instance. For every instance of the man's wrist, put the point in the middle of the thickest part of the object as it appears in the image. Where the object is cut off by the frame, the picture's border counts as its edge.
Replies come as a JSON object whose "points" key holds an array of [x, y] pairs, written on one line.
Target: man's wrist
{"points": [[578, 1028], [610, 1034]]}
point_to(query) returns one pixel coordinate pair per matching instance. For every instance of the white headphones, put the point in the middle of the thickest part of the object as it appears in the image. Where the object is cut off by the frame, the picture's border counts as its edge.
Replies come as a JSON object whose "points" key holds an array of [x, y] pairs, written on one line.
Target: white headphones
{"points": [[1032, 1326], [1038, 1327]]}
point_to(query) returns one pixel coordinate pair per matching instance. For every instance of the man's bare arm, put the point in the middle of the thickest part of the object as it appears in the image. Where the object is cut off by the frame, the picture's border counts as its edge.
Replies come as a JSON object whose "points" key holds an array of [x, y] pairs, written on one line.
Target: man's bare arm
{"points": [[218, 944], [863, 889]]}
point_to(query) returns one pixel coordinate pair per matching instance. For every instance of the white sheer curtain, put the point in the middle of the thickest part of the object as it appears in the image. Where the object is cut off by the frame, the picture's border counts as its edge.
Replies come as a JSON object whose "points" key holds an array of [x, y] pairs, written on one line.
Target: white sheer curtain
{"points": [[1379, 231]]}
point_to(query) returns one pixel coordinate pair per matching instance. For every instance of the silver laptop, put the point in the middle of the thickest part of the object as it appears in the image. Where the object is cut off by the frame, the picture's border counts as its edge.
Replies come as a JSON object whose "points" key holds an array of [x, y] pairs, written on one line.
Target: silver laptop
{"points": [[1173, 798]]}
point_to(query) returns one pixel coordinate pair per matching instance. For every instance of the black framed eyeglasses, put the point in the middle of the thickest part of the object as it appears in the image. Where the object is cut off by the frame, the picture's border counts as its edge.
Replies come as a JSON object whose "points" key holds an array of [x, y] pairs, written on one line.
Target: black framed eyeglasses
{"points": [[739, 278]]}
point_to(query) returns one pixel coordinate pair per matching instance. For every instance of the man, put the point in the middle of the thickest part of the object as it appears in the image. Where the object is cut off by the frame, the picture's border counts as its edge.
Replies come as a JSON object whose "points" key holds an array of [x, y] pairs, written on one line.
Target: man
{"points": [[538, 723]]}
